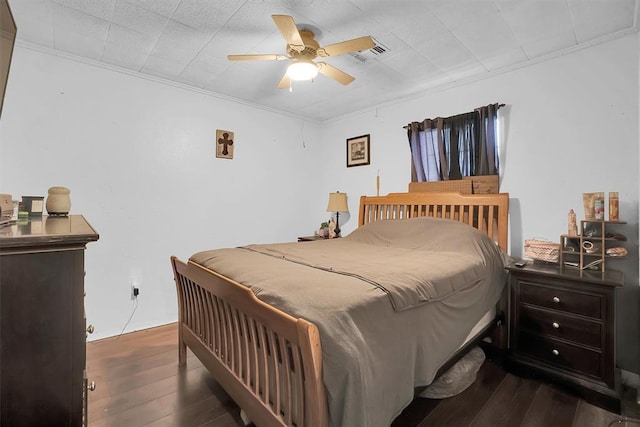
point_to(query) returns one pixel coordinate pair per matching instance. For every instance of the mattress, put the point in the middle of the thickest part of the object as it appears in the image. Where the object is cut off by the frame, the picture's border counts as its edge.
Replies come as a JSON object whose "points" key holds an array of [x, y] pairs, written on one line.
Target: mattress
{"points": [[478, 327]]}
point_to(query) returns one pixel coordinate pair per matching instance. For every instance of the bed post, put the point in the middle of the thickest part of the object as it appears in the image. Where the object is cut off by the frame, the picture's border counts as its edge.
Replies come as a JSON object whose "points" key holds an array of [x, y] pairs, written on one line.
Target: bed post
{"points": [[315, 396], [182, 347]]}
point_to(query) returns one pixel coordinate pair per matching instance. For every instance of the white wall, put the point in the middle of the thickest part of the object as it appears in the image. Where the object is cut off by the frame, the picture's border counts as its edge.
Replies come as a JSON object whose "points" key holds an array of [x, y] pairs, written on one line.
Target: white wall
{"points": [[139, 159], [571, 127]]}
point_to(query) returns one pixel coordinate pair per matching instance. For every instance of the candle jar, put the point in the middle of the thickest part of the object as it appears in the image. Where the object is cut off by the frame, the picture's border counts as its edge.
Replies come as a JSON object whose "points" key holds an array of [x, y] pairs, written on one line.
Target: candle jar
{"points": [[58, 201]]}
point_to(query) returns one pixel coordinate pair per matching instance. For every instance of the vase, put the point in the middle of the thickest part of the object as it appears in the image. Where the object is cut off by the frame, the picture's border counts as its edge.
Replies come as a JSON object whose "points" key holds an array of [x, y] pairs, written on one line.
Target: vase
{"points": [[58, 201]]}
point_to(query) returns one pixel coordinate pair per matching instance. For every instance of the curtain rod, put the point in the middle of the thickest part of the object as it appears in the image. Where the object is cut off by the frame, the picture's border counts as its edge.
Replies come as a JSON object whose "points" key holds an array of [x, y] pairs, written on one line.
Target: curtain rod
{"points": [[499, 106]]}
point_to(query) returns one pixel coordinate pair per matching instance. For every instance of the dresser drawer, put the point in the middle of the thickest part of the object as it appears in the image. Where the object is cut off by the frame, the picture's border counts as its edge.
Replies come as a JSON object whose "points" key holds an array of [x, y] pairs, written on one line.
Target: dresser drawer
{"points": [[561, 354], [559, 299], [559, 325]]}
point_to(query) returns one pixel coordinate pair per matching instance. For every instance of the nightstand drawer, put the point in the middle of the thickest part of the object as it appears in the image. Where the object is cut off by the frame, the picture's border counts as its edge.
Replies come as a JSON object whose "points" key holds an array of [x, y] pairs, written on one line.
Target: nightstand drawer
{"points": [[559, 325], [560, 299], [564, 355]]}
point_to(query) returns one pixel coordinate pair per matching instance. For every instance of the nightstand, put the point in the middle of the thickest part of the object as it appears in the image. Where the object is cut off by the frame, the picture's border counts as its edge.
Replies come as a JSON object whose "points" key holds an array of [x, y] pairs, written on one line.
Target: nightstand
{"points": [[562, 327]]}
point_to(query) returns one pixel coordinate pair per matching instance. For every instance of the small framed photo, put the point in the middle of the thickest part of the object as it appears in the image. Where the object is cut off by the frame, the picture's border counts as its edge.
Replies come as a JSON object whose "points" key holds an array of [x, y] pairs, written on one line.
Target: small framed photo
{"points": [[358, 151], [33, 204]]}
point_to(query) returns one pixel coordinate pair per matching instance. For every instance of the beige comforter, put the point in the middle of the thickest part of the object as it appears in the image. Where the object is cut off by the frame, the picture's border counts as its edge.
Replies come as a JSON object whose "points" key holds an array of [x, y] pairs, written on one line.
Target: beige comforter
{"points": [[393, 301]]}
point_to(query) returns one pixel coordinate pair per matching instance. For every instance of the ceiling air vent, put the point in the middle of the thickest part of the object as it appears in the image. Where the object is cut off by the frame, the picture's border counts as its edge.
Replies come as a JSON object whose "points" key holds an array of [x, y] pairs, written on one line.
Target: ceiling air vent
{"points": [[374, 52]]}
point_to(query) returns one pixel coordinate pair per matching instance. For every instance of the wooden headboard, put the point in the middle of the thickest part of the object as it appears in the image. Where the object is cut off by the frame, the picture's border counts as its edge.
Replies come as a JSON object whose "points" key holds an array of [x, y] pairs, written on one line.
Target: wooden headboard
{"points": [[486, 212]]}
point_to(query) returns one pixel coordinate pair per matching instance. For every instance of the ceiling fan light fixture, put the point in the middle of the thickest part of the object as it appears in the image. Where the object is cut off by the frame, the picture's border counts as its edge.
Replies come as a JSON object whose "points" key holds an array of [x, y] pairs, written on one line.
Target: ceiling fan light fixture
{"points": [[302, 70]]}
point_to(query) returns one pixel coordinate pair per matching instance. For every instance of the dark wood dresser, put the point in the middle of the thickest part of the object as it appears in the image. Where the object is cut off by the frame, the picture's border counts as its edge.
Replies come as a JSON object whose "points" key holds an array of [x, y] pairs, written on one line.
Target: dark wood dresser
{"points": [[42, 324], [562, 326]]}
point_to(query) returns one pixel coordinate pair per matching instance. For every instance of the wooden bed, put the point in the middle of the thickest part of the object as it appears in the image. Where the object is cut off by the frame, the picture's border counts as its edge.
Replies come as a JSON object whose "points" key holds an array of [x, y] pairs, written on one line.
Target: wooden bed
{"points": [[269, 362]]}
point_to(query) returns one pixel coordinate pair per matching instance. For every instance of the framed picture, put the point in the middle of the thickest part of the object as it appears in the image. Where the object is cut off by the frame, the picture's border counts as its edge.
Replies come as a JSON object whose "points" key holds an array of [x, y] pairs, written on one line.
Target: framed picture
{"points": [[224, 144], [33, 204], [358, 151]]}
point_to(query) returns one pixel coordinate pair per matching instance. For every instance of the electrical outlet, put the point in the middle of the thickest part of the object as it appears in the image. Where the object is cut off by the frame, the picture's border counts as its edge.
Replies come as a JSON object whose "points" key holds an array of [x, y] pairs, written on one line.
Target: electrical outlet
{"points": [[135, 291]]}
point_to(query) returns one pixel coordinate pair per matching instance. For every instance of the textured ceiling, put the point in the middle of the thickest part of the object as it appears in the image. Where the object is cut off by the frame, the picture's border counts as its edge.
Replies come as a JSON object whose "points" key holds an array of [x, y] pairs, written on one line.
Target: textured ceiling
{"points": [[429, 43]]}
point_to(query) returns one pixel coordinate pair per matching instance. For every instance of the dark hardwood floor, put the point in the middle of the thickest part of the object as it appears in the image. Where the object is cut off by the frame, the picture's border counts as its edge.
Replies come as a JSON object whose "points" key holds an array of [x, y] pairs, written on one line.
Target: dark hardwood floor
{"points": [[139, 383]]}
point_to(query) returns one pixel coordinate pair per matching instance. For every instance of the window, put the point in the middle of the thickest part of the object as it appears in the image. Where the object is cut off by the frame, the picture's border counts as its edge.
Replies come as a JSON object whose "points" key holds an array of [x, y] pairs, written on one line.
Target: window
{"points": [[452, 147]]}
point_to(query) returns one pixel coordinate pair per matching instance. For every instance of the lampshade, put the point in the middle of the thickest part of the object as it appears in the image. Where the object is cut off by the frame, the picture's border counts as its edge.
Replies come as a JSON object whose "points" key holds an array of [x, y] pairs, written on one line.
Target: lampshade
{"points": [[338, 202], [302, 69]]}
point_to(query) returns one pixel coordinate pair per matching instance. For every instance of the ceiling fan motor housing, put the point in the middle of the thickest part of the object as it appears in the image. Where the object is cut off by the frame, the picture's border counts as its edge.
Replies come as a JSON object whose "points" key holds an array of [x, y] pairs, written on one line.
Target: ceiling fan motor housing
{"points": [[311, 47]]}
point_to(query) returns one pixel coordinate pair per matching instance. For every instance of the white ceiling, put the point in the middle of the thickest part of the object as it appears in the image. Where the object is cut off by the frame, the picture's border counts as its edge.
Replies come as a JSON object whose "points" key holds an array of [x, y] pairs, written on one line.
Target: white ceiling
{"points": [[431, 43]]}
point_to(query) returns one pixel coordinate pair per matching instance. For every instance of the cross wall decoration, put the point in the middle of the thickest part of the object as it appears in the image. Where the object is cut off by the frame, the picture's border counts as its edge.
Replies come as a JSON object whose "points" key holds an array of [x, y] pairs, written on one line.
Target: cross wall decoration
{"points": [[224, 144]]}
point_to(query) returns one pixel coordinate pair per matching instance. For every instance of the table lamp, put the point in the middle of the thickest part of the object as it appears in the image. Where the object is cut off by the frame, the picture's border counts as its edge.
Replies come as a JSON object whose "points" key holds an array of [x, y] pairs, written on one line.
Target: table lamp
{"points": [[337, 204]]}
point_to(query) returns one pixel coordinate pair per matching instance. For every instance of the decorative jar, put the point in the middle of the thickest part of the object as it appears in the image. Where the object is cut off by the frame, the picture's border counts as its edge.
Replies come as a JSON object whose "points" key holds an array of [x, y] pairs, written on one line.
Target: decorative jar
{"points": [[58, 201]]}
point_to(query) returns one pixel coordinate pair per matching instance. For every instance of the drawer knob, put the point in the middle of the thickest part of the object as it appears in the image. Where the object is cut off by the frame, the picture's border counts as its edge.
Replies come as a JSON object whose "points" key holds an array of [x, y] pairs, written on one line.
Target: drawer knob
{"points": [[90, 329], [556, 300], [555, 325], [555, 352], [92, 386]]}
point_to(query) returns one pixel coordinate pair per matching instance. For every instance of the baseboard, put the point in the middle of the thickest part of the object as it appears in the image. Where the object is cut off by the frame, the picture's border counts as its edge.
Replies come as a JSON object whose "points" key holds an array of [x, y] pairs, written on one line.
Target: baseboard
{"points": [[113, 333], [631, 380]]}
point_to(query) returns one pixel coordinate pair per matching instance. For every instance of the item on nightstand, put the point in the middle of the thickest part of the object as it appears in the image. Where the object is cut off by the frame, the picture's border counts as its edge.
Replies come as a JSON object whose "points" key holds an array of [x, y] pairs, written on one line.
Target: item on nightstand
{"points": [[573, 225], [324, 230], [58, 201], [589, 247], [593, 265], [542, 250], [332, 229], [613, 206], [598, 208], [589, 202], [617, 251]]}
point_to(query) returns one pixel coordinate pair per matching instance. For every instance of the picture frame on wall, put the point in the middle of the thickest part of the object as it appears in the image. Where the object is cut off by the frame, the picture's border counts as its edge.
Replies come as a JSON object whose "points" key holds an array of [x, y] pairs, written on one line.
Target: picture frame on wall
{"points": [[224, 144], [358, 151]]}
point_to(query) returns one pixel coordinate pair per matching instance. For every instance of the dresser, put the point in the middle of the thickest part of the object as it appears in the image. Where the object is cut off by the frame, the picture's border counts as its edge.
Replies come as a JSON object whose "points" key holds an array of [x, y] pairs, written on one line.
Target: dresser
{"points": [[43, 327], [562, 327]]}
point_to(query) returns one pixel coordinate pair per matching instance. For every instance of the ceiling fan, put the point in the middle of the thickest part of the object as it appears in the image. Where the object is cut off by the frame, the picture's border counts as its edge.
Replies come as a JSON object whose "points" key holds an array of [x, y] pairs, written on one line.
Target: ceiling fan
{"points": [[302, 49]]}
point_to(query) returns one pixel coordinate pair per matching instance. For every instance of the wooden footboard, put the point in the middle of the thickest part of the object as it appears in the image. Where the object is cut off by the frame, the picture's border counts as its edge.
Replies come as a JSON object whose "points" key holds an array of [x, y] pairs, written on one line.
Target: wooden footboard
{"points": [[269, 362]]}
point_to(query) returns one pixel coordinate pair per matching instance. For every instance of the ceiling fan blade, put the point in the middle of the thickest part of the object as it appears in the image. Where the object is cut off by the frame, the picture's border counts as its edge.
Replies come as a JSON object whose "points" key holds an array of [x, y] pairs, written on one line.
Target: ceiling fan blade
{"points": [[266, 57], [334, 73], [354, 45], [289, 30], [285, 82]]}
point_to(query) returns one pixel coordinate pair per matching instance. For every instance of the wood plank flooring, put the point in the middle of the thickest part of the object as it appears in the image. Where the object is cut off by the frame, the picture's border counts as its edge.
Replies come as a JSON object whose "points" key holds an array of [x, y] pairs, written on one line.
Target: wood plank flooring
{"points": [[139, 383]]}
